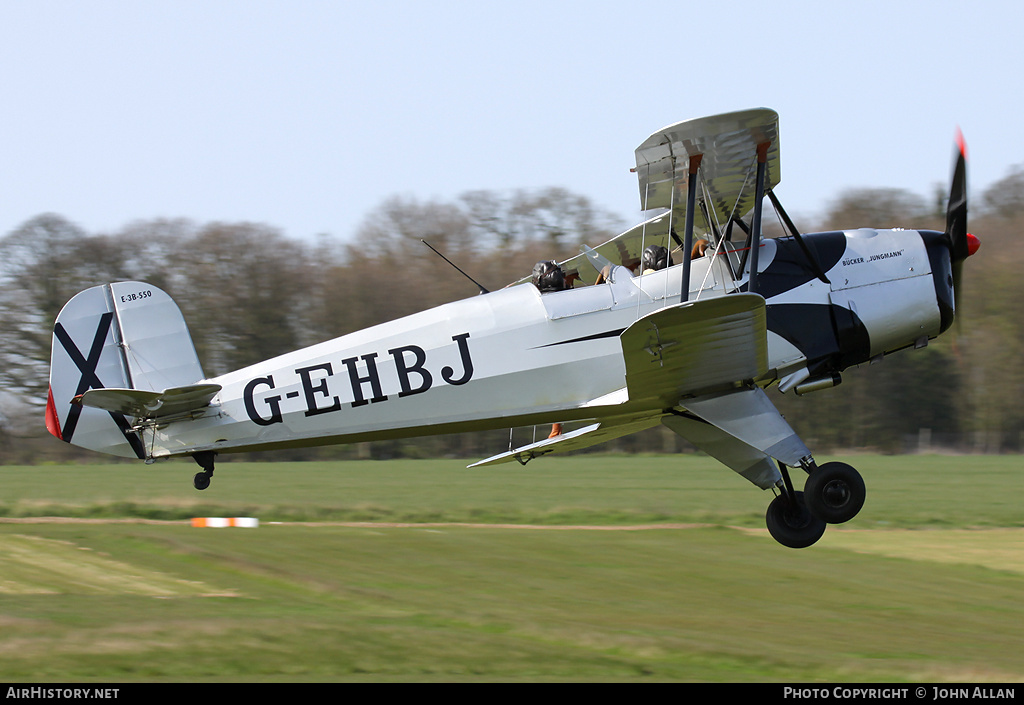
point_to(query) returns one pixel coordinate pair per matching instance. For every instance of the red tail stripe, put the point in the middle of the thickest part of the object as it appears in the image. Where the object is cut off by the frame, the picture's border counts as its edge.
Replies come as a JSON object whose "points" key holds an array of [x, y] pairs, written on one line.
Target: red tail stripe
{"points": [[52, 422]]}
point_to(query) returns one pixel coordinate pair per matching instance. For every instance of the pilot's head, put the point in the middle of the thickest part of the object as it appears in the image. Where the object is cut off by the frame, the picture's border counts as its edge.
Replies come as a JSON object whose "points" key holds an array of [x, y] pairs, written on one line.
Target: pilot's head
{"points": [[548, 276], [654, 257]]}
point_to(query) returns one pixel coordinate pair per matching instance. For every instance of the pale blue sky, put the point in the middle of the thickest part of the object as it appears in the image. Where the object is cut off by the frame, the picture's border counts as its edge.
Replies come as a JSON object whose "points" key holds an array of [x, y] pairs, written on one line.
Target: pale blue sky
{"points": [[306, 114]]}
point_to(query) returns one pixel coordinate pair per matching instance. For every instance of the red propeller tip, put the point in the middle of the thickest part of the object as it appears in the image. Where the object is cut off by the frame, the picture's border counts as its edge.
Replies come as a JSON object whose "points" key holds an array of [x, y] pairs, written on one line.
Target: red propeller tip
{"points": [[961, 143], [973, 244]]}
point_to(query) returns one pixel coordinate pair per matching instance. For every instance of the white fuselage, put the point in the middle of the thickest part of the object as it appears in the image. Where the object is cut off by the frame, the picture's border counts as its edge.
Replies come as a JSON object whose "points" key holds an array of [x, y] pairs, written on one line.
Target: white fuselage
{"points": [[516, 356]]}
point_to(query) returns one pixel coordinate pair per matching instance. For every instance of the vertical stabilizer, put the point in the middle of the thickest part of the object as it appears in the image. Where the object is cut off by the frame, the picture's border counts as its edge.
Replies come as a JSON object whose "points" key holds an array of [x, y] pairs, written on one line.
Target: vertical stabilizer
{"points": [[127, 335]]}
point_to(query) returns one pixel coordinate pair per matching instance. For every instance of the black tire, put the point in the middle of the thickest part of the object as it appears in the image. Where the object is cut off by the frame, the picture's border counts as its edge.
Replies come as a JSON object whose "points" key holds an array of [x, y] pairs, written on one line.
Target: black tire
{"points": [[834, 493], [791, 524], [201, 481]]}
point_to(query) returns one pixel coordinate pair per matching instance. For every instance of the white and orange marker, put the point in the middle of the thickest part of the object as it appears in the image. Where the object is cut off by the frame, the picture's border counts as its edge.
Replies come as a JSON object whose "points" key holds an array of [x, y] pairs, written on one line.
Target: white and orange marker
{"points": [[222, 522]]}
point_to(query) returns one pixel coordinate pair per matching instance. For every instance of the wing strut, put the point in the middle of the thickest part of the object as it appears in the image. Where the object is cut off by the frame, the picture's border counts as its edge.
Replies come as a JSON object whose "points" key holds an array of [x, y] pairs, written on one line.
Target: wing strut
{"points": [[815, 265], [755, 243], [691, 196]]}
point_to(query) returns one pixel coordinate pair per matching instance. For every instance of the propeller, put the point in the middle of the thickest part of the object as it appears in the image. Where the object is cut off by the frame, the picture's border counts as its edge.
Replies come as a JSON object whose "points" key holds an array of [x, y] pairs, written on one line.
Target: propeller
{"points": [[961, 243]]}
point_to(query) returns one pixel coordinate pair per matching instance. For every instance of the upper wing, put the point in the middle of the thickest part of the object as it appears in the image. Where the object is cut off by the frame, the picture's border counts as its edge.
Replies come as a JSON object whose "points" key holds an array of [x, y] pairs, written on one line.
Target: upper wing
{"points": [[694, 348], [728, 143]]}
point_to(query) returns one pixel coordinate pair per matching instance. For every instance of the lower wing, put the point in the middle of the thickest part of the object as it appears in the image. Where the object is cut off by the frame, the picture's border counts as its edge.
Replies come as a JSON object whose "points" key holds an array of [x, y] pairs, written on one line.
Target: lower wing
{"points": [[585, 437]]}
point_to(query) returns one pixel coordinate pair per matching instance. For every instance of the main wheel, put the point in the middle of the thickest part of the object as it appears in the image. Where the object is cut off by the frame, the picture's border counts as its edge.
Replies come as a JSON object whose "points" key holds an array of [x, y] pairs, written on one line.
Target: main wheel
{"points": [[834, 492], [791, 524], [201, 481]]}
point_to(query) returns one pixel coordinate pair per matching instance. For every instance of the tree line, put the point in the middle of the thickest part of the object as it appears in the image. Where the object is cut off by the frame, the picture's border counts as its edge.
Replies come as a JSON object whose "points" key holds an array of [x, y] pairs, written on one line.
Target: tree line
{"points": [[249, 292]]}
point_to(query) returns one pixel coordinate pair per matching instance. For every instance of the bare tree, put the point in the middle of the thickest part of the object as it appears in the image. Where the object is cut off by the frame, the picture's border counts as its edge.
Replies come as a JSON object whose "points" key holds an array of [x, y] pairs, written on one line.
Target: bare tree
{"points": [[42, 265], [554, 216], [1005, 197], [238, 286], [879, 208]]}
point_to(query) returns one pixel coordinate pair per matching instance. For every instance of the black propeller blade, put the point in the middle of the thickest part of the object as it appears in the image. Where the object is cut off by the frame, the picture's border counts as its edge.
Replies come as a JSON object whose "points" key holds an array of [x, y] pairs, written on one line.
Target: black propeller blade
{"points": [[956, 210], [961, 243]]}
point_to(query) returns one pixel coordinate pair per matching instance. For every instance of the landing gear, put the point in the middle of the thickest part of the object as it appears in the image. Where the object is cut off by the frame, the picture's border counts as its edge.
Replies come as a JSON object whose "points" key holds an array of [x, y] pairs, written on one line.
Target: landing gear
{"points": [[205, 460], [791, 524], [834, 492]]}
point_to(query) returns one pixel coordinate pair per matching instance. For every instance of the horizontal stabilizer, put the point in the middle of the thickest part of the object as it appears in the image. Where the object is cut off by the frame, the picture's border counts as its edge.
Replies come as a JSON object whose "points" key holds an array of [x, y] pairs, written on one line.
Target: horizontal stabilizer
{"points": [[574, 440], [143, 404]]}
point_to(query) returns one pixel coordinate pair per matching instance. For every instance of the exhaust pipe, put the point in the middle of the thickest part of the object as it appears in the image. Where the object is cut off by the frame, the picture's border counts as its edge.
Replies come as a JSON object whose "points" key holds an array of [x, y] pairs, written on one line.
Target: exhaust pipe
{"points": [[818, 383]]}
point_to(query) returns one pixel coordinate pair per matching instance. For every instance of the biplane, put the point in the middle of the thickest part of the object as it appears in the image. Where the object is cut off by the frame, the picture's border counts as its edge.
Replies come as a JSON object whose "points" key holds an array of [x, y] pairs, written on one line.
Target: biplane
{"points": [[691, 345]]}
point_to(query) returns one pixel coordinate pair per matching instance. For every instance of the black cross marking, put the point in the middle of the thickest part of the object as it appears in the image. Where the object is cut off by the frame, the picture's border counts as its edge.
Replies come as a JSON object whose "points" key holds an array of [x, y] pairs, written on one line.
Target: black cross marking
{"points": [[89, 380]]}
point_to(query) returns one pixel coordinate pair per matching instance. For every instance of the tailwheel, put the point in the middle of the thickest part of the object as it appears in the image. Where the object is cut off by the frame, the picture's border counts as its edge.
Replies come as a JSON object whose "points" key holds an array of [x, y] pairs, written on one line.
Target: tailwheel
{"points": [[791, 524], [205, 460], [834, 492]]}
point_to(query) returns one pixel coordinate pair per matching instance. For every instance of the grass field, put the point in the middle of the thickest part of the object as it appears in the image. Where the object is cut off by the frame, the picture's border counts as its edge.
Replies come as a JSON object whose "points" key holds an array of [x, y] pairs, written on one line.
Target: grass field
{"points": [[591, 568]]}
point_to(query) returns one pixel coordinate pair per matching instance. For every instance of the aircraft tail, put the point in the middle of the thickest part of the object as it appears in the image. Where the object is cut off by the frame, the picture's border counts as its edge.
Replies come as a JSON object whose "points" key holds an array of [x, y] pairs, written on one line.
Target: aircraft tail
{"points": [[126, 335]]}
